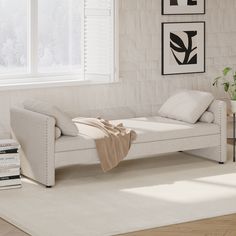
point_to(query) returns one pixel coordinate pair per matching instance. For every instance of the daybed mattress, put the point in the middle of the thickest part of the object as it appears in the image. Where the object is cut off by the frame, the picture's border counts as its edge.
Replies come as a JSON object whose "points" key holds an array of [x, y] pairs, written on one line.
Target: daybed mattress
{"points": [[148, 129]]}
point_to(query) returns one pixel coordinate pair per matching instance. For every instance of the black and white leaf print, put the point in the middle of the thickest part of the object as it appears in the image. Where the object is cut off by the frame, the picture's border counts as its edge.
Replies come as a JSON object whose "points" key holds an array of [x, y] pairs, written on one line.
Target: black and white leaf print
{"points": [[177, 45], [193, 60], [189, 2], [177, 41], [192, 2], [174, 2]]}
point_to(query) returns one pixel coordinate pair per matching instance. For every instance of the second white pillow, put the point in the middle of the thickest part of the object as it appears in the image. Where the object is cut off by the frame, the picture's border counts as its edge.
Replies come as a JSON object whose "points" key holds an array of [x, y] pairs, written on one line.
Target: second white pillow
{"points": [[207, 117], [186, 105]]}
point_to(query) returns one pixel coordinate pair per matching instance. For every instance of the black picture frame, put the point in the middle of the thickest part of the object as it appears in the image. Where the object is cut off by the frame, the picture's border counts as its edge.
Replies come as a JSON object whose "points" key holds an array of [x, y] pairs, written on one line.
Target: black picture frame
{"points": [[196, 60], [181, 10]]}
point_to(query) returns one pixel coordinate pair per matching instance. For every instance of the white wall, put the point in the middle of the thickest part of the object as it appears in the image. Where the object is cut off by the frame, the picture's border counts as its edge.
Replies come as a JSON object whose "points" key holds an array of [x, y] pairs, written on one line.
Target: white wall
{"points": [[141, 85]]}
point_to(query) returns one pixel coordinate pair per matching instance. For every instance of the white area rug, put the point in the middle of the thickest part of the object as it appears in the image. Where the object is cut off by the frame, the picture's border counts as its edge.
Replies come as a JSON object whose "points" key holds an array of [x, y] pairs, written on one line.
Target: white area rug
{"points": [[138, 195]]}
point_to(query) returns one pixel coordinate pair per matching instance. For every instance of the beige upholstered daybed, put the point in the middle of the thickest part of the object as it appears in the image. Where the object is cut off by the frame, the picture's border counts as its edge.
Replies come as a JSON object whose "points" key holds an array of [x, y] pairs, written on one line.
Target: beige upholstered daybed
{"points": [[42, 154]]}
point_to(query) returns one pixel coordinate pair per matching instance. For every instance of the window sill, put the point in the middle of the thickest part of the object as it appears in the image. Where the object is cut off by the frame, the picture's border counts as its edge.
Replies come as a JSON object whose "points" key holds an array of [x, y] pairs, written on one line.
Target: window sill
{"points": [[36, 83]]}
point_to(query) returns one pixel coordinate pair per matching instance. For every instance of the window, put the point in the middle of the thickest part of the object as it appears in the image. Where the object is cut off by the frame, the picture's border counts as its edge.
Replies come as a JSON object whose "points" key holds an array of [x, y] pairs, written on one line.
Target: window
{"points": [[41, 38], [13, 37], [59, 35], [98, 38]]}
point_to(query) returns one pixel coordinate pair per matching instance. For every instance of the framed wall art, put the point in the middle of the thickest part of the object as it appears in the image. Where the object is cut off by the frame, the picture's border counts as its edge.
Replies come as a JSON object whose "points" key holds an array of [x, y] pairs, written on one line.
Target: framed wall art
{"points": [[183, 7], [183, 48]]}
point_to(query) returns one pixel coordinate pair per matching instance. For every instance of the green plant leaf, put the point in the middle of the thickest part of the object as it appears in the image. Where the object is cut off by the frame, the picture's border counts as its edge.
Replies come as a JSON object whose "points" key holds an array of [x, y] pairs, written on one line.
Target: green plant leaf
{"points": [[234, 96], [226, 86], [234, 77], [215, 83], [226, 70]]}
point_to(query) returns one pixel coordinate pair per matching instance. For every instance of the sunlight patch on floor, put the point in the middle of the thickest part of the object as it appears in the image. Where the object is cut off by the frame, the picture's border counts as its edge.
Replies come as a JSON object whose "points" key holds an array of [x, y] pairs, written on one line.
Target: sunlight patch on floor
{"points": [[191, 191], [28, 181]]}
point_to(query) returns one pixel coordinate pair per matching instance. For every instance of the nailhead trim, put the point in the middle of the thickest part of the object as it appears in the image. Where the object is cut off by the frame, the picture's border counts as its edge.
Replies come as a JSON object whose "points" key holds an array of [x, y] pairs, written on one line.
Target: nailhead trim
{"points": [[46, 154]]}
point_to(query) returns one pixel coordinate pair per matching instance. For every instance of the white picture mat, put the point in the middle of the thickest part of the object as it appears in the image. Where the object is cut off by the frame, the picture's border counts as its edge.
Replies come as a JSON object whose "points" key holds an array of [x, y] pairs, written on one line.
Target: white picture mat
{"points": [[198, 9], [181, 69]]}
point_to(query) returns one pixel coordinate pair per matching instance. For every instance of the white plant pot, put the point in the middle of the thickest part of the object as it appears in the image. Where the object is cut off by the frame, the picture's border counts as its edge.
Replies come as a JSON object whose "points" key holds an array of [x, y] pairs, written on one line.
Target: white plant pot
{"points": [[233, 106]]}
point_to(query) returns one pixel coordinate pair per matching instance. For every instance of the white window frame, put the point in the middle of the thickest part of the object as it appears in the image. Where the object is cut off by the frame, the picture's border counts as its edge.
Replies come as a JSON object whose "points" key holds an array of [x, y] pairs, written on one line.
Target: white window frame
{"points": [[33, 79], [116, 42]]}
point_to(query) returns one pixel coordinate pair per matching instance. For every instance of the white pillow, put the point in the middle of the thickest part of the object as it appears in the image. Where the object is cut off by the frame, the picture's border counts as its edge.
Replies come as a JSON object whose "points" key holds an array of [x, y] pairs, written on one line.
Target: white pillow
{"points": [[186, 105], [207, 117], [62, 120], [57, 133]]}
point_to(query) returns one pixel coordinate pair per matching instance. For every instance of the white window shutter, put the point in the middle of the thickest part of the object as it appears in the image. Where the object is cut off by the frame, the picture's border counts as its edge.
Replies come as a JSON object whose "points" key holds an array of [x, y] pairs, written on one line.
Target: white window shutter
{"points": [[99, 39]]}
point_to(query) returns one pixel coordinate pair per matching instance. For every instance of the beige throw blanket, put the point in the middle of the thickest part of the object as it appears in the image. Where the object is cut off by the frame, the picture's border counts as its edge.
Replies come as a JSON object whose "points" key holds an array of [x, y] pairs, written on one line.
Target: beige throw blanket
{"points": [[113, 141]]}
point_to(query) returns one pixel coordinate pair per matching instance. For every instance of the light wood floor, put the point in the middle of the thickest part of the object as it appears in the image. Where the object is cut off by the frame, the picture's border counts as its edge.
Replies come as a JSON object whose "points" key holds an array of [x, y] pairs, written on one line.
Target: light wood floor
{"points": [[7, 229], [220, 226]]}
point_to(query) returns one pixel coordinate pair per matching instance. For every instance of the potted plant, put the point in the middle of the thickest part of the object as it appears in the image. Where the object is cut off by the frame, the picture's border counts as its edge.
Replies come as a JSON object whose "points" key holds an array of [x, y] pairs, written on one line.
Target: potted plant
{"points": [[229, 85]]}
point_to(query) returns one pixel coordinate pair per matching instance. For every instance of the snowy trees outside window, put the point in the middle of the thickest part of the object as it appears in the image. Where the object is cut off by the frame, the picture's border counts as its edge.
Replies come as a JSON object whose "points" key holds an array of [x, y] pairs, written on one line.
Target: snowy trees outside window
{"points": [[70, 39], [13, 36], [59, 31], [59, 36]]}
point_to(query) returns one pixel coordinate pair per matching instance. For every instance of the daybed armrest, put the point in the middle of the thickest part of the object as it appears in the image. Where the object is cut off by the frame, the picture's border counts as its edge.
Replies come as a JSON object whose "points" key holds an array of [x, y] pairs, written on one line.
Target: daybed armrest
{"points": [[36, 134], [219, 109], [218, 152]]}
